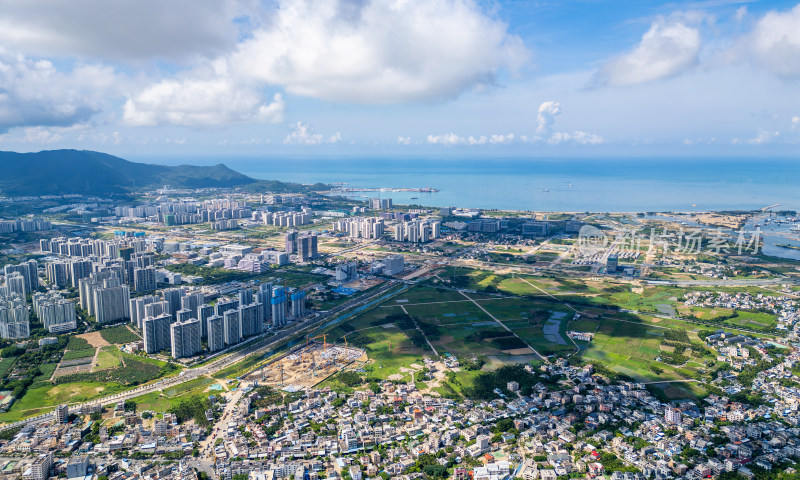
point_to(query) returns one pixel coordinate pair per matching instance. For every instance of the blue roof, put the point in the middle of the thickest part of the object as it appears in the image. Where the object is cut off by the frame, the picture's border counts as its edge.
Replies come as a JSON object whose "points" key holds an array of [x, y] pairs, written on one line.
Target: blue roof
{"points": [[344, 291]]}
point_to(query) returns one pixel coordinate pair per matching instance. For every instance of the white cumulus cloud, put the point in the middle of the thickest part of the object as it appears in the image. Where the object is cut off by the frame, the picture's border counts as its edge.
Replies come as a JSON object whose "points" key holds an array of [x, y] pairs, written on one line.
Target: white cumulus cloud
{"points": [[35, 93], [445, 139], [670, 47], [196, 102], [546, 117], [502, 139], [450, 139], [763, 136], [303, 134], [775, 42], [577, 136], [378, 51]]}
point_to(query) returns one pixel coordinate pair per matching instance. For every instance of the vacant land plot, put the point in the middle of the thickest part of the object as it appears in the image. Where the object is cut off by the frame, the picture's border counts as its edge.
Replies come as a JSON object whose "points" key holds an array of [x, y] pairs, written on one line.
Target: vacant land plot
{"points": [[95, 339]]}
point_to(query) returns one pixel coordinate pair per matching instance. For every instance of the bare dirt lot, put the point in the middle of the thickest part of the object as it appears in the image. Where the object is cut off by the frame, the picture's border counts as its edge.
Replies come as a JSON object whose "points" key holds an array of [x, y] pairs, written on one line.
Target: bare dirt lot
{"points": [[94, 339]]}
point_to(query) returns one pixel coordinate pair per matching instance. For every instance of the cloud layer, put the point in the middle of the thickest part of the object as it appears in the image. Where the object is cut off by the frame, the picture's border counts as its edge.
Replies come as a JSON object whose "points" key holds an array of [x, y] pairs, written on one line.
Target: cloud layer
{"points": [[378, 51], [36, 93], [127, 31], [304, 134], [667, 49], [243, 72], [775, 42], [201, 103]]}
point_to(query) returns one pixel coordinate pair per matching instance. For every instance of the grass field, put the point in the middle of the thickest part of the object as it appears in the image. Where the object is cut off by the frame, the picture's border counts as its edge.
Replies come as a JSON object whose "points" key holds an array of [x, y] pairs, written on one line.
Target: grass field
{"points": [[160, 402], [44, 399], [42, 396], [676, 391], [5, 365], [108, 357], [632, 349], [240, 368]]}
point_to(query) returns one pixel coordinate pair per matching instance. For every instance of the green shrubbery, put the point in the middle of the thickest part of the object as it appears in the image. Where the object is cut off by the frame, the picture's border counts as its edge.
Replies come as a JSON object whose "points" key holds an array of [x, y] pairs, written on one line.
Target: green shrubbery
{"points": [[119, 335], [134, 372]]}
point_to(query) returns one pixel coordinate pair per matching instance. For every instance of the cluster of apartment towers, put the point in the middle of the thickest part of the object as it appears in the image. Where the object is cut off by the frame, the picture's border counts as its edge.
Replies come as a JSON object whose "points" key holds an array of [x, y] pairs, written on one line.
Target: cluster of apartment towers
{"points": [[414, 230], [179, 321]]}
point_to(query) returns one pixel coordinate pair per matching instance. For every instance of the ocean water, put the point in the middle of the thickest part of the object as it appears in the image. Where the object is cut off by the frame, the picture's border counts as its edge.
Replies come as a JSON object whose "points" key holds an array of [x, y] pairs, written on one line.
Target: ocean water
{"points": [[598, 185]]}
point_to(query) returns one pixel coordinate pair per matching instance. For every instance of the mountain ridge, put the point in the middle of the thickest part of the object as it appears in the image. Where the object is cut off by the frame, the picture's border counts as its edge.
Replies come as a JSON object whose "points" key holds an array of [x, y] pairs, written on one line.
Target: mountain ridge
{"points": [[88, 172]]}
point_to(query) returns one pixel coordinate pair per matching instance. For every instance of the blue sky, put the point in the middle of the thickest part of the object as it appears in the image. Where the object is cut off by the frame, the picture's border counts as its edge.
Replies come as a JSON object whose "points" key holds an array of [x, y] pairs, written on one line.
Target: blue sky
{"points": [[401, 77]]}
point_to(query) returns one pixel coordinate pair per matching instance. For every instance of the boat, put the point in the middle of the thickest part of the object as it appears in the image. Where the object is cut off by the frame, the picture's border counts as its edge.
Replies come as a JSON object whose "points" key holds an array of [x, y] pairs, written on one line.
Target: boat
{"points": [[786, 245], [414, 198]]}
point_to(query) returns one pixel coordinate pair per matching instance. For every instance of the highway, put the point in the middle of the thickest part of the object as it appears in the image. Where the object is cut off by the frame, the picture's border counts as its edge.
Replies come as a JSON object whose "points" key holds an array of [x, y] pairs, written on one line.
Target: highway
{"points": [[258, 348]]}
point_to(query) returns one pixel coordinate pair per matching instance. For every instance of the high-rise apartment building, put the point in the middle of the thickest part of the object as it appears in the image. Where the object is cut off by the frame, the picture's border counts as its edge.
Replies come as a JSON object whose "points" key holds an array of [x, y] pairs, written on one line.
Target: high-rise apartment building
{"points": [[144, 279], [111, 302], [185, 337], [216, 333], [232, 333], [156, 333]]}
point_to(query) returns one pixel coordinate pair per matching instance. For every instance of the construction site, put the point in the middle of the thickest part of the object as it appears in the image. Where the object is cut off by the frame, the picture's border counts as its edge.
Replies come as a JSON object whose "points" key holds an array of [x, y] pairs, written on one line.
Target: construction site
{"points": [[305, 366]]}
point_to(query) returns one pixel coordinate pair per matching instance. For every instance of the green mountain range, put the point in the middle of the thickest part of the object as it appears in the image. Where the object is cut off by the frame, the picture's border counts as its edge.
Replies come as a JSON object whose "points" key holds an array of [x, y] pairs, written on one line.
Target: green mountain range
{"points": [[86, 172]]}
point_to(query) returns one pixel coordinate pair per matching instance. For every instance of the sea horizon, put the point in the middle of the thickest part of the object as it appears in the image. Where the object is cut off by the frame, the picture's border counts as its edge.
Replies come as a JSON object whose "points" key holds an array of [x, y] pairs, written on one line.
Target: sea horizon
{"points": [[571, 184]]}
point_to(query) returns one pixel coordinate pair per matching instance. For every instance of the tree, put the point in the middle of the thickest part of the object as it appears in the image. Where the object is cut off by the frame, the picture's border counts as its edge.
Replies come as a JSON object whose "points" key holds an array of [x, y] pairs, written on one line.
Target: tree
{"points": [[12, 351], [435, 471]]}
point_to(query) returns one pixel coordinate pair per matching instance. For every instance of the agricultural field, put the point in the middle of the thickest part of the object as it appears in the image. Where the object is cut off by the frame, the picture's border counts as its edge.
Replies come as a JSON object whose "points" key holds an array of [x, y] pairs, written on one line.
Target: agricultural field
{"points": [[753, 320], [642, 350], [119, 335], [46, 372], [5, 365], [539, 313], [453, 324], [76, 354], [77, 343]]}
